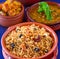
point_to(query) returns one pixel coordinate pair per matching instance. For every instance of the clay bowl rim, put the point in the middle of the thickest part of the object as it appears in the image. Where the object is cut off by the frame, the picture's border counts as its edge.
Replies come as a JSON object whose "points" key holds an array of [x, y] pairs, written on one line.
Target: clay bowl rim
{"points": [[28, 8], [9, 17], [29, 23]]}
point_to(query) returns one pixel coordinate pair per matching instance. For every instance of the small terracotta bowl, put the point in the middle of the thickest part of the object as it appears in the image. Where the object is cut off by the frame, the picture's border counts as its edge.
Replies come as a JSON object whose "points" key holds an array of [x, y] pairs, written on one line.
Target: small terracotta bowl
{"points": [[29, 2], [28, 10], [12, 20], [46, 56]]}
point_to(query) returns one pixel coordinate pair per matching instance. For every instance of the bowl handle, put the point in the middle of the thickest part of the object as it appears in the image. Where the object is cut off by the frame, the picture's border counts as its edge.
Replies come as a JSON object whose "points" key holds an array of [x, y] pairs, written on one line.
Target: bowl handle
{"points": [[6, 56], [55, 53], [56, 27]]}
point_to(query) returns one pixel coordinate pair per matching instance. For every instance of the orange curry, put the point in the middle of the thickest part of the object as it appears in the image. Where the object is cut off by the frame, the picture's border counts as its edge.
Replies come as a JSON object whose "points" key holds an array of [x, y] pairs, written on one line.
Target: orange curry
{"points": [[40, 17]]}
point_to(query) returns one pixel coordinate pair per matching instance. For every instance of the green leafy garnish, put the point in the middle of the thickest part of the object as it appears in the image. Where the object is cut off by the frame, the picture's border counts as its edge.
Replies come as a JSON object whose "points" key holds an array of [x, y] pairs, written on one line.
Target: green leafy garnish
{"points": [[40, 9], [44, 7]]}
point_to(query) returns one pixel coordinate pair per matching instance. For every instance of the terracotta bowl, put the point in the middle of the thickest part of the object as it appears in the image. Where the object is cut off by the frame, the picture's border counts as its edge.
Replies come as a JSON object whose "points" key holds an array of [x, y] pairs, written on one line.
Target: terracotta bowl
{"points": [[54, 56], [28, 10], [46, 56], [29, 2], [12, 20]]}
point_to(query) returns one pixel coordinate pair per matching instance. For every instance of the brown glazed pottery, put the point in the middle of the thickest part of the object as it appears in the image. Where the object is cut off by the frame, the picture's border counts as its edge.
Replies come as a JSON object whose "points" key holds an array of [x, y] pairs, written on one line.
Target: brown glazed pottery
{"points": [[12, 20], [52, 53], [54, 26]]}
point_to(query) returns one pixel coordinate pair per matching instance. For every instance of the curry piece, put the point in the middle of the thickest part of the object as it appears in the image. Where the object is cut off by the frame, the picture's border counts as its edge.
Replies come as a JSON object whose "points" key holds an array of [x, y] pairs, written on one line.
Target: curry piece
{"points": [[11, 8]]}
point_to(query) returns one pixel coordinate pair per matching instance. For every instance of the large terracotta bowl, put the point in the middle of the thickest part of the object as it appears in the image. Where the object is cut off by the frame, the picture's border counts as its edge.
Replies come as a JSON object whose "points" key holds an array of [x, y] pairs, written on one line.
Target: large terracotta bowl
{"points": [[12, 20], [49, 55], [29, 2], [28, 10], [54, 55]]}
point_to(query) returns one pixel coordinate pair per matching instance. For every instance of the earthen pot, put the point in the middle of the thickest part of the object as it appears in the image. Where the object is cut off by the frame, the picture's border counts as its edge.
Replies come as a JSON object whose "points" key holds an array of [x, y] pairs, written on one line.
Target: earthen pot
{"points": [[28, 10], [12, 20], [49, 55], [54, 55]]}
